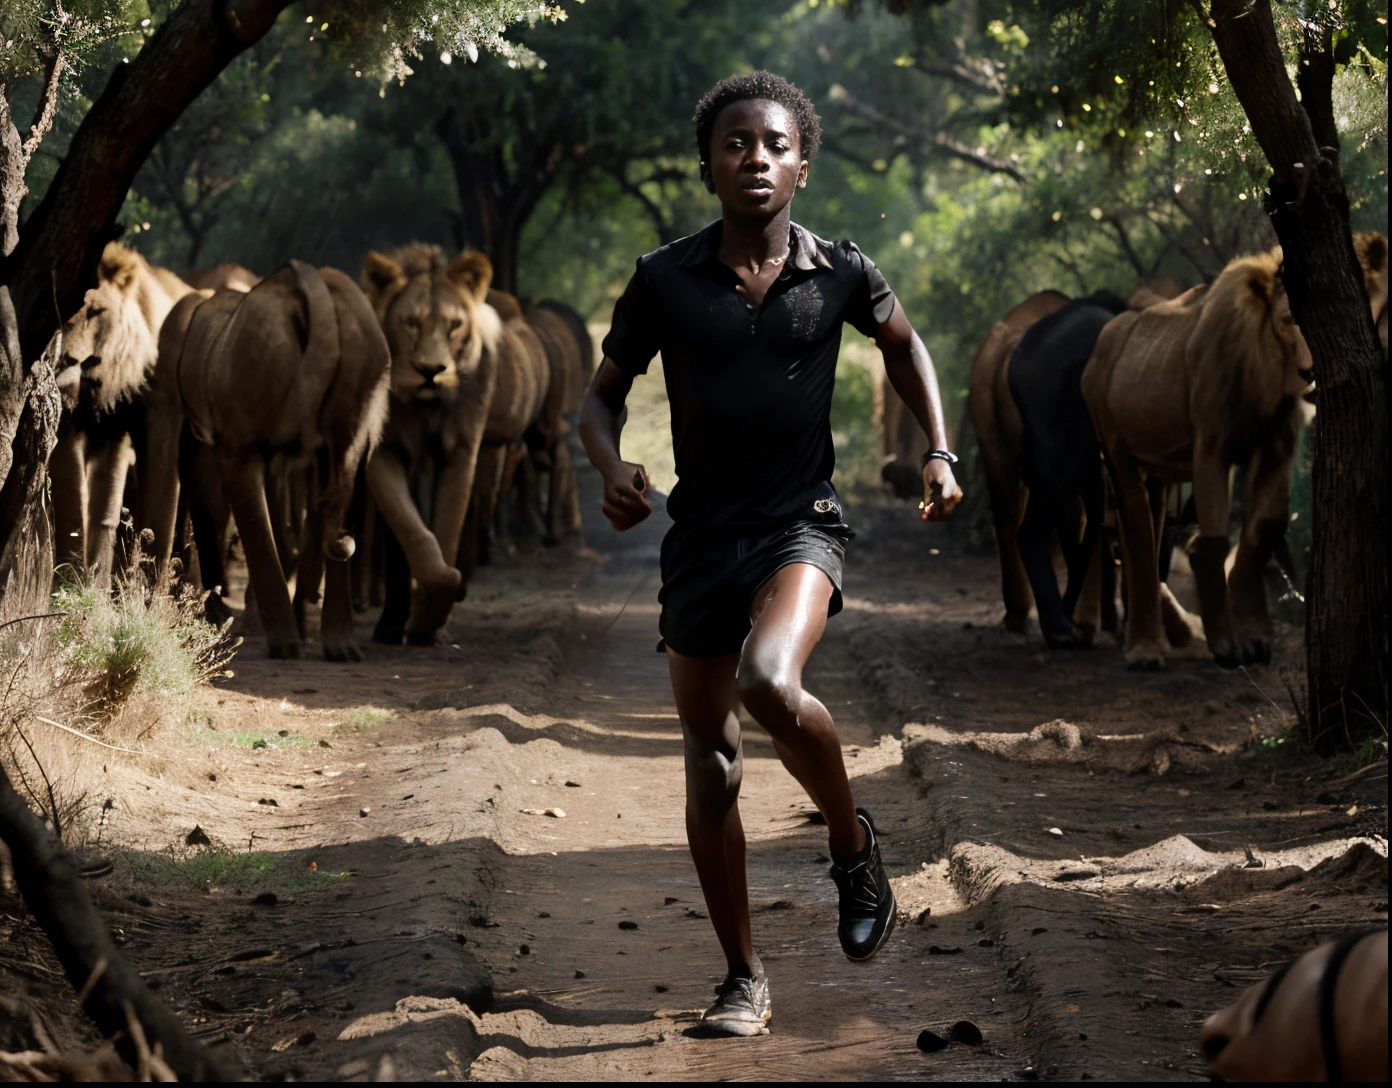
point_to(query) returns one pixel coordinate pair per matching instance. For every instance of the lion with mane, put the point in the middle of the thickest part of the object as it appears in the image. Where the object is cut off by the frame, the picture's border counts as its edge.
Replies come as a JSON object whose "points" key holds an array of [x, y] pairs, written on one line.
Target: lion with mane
{"points": [[1183, 391], [109, 350]]}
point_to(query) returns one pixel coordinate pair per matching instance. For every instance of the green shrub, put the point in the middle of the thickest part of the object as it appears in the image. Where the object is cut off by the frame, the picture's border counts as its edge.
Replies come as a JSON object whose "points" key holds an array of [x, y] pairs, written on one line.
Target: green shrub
{"points": [[126, 642]]}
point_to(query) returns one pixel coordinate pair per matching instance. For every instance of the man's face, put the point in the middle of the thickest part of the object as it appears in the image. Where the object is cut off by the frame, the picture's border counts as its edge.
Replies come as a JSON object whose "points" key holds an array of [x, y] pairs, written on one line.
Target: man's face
{"points": [[755, 159]]}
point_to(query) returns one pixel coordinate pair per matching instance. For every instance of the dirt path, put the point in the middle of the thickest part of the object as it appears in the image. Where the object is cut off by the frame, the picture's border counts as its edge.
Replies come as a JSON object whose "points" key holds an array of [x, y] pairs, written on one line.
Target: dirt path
{"points": [[1087, 860]]}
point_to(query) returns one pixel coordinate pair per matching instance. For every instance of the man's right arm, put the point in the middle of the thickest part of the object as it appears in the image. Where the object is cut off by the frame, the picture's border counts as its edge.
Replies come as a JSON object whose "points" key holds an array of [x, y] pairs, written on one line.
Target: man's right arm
{"points": [[601, 423]]}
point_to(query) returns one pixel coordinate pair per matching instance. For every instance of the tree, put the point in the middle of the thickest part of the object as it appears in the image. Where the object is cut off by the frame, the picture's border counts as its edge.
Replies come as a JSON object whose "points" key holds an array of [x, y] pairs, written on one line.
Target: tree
{"points": [[1346, 625], [47, 40], [611, 100]]}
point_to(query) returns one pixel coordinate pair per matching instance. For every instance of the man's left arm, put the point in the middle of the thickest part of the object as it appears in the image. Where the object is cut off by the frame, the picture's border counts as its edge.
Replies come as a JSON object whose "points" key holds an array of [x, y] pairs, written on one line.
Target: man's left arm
{"points": [[910, 370]]}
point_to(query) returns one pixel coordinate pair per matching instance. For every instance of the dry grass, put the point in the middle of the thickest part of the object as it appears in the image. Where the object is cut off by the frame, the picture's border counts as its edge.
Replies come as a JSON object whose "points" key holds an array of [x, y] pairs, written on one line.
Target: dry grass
{"points": [[91, 682]]}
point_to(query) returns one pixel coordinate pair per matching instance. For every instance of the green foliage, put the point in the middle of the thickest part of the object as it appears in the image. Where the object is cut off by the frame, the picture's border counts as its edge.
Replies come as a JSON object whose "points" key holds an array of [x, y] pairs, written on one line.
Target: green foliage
{"points": [[126, 644], [33, 32]]}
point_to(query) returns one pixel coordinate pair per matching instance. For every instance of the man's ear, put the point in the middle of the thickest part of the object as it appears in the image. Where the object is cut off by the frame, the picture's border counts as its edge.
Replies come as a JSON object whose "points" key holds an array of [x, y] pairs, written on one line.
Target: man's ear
{"points": [[706, 179], [802, 175]]}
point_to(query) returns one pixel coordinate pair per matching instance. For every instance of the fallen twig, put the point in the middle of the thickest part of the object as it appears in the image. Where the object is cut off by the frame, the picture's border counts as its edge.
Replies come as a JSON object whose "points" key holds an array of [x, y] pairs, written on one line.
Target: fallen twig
{"points": [[1349, 779], [84, 736]]}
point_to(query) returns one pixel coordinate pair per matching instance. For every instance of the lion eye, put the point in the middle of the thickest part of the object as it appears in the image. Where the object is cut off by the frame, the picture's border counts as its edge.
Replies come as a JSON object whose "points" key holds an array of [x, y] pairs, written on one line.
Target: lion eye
{"points": [[95, 311], [455, 325]]}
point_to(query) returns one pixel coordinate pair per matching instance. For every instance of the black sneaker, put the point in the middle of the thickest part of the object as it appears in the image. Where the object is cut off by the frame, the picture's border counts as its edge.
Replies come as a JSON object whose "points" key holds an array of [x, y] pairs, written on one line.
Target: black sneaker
{"points": [[867, 903], [742, 1008]]}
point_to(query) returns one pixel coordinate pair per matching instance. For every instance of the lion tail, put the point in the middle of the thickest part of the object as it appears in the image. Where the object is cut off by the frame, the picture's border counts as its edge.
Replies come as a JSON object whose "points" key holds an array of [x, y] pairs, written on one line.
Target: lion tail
{"points": [[319, 363], [318, 368]]}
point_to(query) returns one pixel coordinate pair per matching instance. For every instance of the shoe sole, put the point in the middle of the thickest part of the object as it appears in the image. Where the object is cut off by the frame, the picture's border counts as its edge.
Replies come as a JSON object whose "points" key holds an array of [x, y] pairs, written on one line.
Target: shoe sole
{"points": [[743, 1030], [740, 1030], [889, 930]]}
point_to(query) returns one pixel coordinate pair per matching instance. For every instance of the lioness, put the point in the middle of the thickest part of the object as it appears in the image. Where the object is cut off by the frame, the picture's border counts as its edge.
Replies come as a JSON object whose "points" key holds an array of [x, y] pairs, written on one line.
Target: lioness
{"points": [[1183, 391], [297, 368], [447, 351], [998, 431], [109, 348]]}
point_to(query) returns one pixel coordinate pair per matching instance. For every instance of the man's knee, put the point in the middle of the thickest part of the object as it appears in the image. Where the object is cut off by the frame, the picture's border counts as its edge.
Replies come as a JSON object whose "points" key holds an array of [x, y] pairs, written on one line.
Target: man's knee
{"points": [[712, 779], [768, 692]]}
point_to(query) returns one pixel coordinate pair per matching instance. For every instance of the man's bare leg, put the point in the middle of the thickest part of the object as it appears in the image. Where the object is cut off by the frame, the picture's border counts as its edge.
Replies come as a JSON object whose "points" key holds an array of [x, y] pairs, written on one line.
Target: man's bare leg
{"points": [[790, 614], [708, 707]]}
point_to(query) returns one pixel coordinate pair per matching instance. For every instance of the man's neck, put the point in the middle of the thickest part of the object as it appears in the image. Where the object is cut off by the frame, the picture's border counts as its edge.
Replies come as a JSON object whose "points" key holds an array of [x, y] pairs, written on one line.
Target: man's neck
{"points": [[750, 243]]}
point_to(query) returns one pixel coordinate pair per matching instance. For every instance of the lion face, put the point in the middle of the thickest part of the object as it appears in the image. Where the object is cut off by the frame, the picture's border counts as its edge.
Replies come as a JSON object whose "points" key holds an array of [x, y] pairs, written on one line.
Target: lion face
{"points": [[431, 315], [109, 345]]}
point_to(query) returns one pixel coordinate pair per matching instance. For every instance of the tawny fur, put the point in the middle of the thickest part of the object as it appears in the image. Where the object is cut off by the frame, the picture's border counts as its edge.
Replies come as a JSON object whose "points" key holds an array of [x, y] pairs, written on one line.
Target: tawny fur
{"points": [[109, 350], [119, 324], [1371, 248], [306, 341], [998, 435], [1183, 391], [448, 349]]}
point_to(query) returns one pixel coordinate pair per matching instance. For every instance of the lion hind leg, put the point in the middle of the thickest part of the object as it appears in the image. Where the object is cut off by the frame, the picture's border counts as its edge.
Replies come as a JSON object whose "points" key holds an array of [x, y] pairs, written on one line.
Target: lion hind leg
{"points": [[1268, 489], [245, 481], [1145, 640]]}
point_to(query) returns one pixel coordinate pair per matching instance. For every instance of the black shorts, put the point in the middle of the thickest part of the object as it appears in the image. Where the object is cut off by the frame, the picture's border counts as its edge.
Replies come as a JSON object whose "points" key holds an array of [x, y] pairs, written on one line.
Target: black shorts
{"points": [[710, 576]]}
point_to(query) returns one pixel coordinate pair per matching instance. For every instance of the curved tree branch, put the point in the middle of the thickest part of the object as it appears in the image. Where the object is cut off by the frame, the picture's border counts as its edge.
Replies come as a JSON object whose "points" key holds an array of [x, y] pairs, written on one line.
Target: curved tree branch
{"points": [[62, 242]]}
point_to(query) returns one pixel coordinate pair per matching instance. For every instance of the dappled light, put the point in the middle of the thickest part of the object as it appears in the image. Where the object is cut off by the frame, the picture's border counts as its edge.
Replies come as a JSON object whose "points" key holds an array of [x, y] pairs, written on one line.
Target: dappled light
{"points": [[635, 539]]}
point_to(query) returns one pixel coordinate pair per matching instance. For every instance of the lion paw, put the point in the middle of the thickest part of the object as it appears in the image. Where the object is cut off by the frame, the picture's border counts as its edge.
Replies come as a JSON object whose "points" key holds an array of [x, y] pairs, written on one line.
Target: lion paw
{"points": [[1145, 656], [431, 602], [284, 649], [343, 649]]}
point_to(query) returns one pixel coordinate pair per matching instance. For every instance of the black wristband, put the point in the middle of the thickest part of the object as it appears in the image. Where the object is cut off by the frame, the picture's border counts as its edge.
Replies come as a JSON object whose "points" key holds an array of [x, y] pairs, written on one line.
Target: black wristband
{"points": [[939, 455]]}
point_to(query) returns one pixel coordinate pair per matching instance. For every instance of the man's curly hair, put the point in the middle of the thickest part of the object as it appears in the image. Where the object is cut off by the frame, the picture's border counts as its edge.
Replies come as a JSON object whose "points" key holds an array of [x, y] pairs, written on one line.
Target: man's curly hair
{"points": [[758, 85]]}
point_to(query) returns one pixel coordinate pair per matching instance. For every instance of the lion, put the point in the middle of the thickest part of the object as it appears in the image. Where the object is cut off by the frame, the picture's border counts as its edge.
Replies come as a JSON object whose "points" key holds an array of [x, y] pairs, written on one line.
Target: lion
{"points": [[450, 358], [551, 448], [1183, 391], [307, 345], [231, 276], [1371, 248], [523, 415], [998, 433], [109, 349]]}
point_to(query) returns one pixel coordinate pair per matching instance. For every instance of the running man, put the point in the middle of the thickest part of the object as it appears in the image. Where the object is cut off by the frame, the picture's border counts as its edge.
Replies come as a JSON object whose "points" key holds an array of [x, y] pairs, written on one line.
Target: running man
{"points": [[747, 314]]}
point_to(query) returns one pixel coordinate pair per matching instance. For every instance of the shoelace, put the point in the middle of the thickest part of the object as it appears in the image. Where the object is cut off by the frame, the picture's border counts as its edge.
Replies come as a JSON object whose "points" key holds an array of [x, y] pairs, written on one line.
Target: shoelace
{"points": [[736, 988], [858, 887]]}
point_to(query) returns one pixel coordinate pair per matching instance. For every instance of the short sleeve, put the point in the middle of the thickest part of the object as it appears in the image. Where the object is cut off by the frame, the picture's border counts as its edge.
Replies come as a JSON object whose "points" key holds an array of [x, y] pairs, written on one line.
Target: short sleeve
{"points": [[632, 340], [871, 301]]}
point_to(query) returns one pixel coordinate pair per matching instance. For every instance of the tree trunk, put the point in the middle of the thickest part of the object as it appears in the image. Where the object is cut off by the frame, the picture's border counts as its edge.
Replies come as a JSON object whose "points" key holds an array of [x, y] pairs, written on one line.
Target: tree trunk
{"points": [[1347, 593], [44, 278], [494, 202]]}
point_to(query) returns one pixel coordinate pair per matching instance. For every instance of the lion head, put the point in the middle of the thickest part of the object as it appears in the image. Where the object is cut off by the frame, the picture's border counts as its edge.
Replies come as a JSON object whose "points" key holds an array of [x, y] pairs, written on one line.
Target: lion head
{"points": [[434, 315], [1260, 332], [111, 344], [1371, 248]]}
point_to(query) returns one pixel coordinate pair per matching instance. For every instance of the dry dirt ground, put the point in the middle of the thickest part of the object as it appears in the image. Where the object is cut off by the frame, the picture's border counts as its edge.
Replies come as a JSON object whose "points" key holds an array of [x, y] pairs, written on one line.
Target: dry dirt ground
{"points": [[468, 861]]}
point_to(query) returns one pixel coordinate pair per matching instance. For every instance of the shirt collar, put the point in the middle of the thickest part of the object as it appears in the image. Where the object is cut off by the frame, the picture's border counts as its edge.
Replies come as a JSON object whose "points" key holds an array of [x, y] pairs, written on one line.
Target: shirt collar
{"points": [[806, 248]]}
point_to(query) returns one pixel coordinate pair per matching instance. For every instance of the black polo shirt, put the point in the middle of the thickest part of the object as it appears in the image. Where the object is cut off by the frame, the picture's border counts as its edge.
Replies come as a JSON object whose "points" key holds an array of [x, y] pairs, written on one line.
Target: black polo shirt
{"points": [[749, 387]]}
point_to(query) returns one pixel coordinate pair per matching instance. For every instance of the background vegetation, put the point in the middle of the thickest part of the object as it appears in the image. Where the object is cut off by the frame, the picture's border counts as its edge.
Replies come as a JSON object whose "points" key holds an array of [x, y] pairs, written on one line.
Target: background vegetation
{"points": [[978, 150]]}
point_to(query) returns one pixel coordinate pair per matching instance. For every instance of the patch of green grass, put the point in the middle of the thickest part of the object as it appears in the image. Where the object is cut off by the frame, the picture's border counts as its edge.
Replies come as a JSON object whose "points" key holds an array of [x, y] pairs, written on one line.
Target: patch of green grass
{"points": [[250, 739], [367, 717], [255, 869]]}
